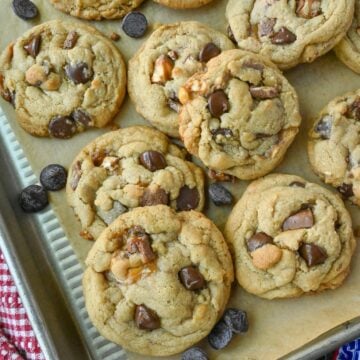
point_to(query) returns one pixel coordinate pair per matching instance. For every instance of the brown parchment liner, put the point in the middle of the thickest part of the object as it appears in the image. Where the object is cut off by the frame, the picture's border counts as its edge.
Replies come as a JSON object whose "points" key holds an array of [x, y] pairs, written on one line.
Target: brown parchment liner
{"points": [[277, 327]]}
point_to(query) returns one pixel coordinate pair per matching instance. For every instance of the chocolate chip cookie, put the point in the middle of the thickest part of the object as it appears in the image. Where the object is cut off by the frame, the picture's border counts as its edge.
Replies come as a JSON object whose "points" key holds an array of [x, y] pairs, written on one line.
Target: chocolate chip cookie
{"points": [[169, 57], [127, 168], [96, 10], [240, 115], [288, 32], [62, 78], [157, 281], [348, 50], [334, 145], [183, 4], [289, 237]]}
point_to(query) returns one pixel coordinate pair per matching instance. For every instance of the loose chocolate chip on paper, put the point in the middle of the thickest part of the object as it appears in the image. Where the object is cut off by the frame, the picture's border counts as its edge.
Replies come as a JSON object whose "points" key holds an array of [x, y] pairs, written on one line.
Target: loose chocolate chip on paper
{"points": [[25, 9], [146, 319], [33, 198], [62, 127], [346, 190], [283, 37], [218, 103], [71, 40], [237, 320], [79, 73], [258, 240], [135, 24], [33, 46], [152, 160], [188, 199], [209, 51], [192, 278], [154, 196], [220, 336], [53, 177], [304, 219], [194, 353], [220, 195], [312, 254]]}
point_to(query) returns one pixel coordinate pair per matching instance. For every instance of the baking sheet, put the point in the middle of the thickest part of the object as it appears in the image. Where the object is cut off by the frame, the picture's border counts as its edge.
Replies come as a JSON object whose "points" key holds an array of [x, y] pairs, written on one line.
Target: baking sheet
{"points": [[277, 327]]}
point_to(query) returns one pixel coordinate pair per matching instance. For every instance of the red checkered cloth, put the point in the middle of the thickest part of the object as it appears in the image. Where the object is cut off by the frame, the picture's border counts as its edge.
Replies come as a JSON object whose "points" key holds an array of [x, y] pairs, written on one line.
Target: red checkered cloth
{"points": [[17, 338]]}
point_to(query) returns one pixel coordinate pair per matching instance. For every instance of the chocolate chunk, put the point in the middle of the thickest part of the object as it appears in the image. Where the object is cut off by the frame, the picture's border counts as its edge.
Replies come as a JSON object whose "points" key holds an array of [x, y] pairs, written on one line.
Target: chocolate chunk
{"points": [[220, 195], [78, 73], [188, 199], [82, 118], [109, 216], [25, 9], [76, 175], [308, 8], [33, 198], [154, 196], [220, 176], [71, 40], [264, 92], [53, 177], [138, 241], [236, 320], [304, 219], [266, 27], [258, 240], [146, 319], [98, 156], [283, 37], [297, 184], [218, 103], [231, 34], [353, 110], [62, 127], [312, 254], [323, 127], [346, 190], [152, 160], [134, 24], [209, 51], [191, 278], [222, 131], [174, 105], [220, 336], [33, 46], [194, 353]]}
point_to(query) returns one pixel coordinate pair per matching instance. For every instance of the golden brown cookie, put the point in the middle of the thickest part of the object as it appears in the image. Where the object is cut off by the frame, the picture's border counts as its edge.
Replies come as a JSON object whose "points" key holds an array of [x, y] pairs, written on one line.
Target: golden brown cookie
{"points": [[183, 4]]}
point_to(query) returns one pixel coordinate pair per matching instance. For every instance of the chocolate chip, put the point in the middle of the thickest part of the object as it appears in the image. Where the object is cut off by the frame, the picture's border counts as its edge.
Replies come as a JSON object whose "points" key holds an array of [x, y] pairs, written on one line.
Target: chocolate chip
{"points": [[146, 319], [174, 105], [312, 254], [304, 219], [194, 353], [78, 73], [266, 27], [154, 196], [53, 177], [218, 103], [209, 51], [98, 156], [283, 37], [222, 131], [152, 160], [258, 240], [76, 175], [236, 320], [264, 92], [33, 46], [191, 278], [33, 198], [346, 190], [188, 199], [297, 184], [109, 216], [25, 9], [220, 195], [62, 127], [134, 24], [71, 40], [220, 336], [353, 110], [82, 118], [231, 34], [138, 241], [323, 127], [308, 8], [220, 176]]}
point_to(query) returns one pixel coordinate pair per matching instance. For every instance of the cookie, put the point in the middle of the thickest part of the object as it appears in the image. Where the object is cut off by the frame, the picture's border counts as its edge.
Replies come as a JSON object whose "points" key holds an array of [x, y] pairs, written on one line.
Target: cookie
{"points": [[96, 10], [240, 115], [288, 32], [62, 78], [183, 4], [334, 145], [289, 237], [348, 50], [127, 168], [166, 60], [157, 281]]}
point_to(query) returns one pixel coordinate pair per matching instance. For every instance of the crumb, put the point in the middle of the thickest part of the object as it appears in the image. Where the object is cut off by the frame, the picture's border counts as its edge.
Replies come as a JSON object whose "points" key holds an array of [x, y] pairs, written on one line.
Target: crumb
{"points": [[86, 235], [115, 36]]}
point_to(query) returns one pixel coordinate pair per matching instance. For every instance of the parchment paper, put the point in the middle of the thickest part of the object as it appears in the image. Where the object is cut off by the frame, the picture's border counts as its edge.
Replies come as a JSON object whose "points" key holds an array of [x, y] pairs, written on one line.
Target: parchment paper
{"points": [[277, 327]]}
